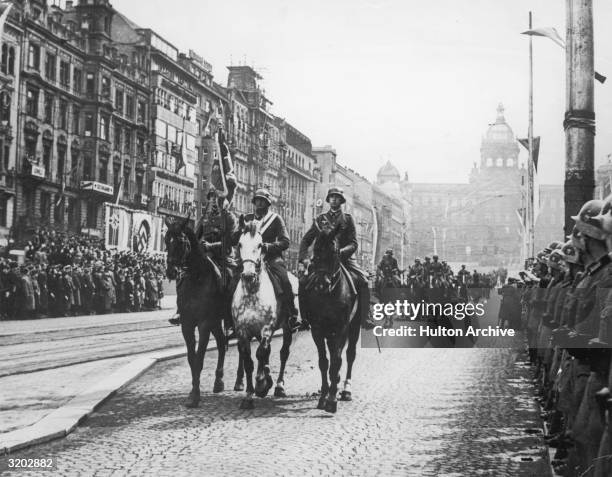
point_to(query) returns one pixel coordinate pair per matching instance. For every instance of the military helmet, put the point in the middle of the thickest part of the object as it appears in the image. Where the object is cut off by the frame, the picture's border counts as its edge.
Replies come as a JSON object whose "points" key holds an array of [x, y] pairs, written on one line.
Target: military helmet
{"points": [[577, 239], [262, 194], [335, 191], [435, 257], [389, 251], [417, 259], [571, 253], [556, 259], [605, 216], [587, 221]]}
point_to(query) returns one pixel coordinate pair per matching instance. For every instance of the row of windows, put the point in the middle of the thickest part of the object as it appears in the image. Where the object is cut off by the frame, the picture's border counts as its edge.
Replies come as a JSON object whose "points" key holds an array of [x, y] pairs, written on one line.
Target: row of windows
{"points": [[166, 191], [499, 162], [175, 104], [166, 131]]}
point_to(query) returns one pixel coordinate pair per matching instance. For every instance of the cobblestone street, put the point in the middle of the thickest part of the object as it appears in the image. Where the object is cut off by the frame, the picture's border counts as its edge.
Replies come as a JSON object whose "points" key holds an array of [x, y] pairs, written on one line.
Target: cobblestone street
{"points": [[421, 412]]}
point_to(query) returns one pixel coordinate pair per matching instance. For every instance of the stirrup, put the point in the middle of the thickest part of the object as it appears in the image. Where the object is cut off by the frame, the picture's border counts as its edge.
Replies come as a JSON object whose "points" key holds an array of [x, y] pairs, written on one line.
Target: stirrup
{"points": [[175, 320]]}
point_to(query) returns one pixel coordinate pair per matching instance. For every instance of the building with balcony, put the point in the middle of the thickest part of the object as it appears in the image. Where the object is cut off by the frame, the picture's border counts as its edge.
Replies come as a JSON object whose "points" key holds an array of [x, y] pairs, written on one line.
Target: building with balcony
{"points": [[10, 68]]}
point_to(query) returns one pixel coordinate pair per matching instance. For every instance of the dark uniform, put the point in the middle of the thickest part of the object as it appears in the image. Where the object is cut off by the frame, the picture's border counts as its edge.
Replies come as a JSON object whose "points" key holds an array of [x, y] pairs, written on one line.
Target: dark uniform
{"points": [[347, 243]]}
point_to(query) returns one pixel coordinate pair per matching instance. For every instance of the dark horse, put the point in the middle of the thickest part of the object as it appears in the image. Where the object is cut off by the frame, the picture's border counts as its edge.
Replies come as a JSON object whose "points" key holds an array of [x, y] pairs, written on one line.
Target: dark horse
{"points": [[199, 301], [332, 309]]}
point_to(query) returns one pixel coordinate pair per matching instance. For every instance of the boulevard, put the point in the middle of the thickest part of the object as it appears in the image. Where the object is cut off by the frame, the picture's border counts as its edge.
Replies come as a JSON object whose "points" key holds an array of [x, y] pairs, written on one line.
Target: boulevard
{"points": [[423, 412]]}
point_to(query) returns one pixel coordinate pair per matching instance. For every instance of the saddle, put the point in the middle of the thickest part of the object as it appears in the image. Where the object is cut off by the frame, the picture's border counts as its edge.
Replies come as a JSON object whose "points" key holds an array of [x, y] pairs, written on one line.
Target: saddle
{"points": [[308, 281]]}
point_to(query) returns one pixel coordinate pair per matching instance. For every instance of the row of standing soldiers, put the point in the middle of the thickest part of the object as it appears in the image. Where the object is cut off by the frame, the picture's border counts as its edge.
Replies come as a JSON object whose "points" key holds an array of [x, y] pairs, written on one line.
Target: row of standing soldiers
{"points": [[567, 314], [39, 290]]}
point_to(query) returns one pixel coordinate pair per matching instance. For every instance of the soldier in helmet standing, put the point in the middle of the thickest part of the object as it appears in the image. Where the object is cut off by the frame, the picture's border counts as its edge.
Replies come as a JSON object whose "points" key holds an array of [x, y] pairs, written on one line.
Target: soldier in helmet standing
{"points": [[347, 243]]}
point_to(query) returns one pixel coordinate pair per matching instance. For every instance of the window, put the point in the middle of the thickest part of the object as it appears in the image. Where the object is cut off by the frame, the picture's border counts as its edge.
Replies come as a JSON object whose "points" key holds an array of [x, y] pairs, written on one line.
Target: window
{"points": [[129, 106], [76, 112], [127, 136], [89, 124], [90, 84], [65, 74], [45, 202], [3, 211], [117, 141], [61, 163], [63, 115], [160, 128], [119, 101], [140, 145], [77, 78], [47, 158], [88, 168], [34, 57], [32, 101], [104, 127], [190, 141], [102, 170], [5, 107], [106, 89], [48, 108], [50, 65], [92, 214], [142, 107]]}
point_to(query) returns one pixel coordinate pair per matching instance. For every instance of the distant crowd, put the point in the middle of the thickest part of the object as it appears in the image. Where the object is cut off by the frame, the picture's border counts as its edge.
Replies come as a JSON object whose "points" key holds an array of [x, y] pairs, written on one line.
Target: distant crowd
{"points": [[74, 275]]}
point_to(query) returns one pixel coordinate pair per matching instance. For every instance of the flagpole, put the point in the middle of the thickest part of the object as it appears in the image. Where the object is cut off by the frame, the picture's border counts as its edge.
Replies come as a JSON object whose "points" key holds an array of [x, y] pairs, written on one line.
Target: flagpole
{"points": [[530, 165]]}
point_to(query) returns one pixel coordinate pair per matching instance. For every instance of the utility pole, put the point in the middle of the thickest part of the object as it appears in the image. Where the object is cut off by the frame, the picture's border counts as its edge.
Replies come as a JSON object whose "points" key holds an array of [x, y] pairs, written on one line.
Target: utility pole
{"points": [[579, 123]]}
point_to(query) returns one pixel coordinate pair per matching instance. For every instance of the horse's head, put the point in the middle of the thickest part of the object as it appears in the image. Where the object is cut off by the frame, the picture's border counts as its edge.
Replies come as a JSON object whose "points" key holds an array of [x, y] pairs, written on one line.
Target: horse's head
{"points": [[178, 246], [249, 249], [326, 244]]}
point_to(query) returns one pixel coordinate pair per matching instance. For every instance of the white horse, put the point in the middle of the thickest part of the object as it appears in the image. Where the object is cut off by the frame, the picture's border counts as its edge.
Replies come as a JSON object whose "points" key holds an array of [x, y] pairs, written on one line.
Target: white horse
{"points": [[257, 314]]}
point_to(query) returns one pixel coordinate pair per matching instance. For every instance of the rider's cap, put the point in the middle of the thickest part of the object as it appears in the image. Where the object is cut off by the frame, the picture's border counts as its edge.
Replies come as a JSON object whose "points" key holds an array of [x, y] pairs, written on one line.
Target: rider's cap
{"points": [[389, 251], [335, 191], [262, 194], [570, 252]]}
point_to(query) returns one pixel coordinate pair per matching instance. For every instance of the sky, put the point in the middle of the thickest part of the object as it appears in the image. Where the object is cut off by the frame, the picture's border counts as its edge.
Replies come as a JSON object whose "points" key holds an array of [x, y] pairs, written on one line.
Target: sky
{"points": [[413, 82]]}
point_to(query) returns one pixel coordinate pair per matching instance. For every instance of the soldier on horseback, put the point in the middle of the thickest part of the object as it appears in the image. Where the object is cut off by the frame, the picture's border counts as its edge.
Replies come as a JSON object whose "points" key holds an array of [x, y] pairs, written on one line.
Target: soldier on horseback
{"points": [[347, 245], [275, 241]]}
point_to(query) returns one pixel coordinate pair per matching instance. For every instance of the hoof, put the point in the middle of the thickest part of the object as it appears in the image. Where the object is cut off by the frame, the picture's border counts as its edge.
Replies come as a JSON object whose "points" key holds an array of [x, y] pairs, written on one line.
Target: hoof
{"points": [[331, 406], [279, 391], [345, 396], [193, 400], [239, 386], [218, 386], [269, 383], [321, 404], [247, 403]]}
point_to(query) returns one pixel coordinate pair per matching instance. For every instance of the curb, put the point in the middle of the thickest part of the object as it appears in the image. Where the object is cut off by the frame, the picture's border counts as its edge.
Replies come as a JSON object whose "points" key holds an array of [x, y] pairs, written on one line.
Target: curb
{"points": [[62, 421]]}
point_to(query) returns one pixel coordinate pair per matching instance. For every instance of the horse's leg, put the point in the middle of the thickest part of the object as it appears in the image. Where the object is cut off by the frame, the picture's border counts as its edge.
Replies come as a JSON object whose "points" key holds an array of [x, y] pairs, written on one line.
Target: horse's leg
{"points": [[217, 332], [335, 355], [188, 330], [239, 385], [323, 366], [263, 380], [244, 347], [204, 336], [351, 352], [279, 391]]}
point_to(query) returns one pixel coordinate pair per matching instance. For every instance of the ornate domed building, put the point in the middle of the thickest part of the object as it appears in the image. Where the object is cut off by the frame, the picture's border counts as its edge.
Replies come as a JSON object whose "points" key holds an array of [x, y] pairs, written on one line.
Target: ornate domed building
{"points": [[473, 222]]}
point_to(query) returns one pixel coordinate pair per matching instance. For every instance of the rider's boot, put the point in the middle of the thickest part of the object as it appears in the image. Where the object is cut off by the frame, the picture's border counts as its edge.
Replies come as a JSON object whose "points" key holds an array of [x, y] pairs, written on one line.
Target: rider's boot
{"points": [[364, 306], [176, 319]]}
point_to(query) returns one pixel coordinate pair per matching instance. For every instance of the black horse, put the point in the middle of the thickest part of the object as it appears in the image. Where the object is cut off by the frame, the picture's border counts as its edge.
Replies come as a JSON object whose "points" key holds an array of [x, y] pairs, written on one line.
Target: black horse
{"points": [[332, 309], [199, 301]]}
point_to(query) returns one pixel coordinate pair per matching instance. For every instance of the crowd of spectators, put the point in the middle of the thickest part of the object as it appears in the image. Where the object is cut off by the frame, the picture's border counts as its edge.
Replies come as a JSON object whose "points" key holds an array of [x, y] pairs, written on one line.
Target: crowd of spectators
{"points": [[75, 275]]}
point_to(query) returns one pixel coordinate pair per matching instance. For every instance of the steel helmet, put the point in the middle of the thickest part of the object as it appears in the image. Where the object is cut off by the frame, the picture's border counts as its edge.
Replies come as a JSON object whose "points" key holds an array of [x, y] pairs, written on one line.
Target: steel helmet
{"points": [[577, 239], [571, 254], [335, 191], [556, 259], [605, 216], [587, 221], [262, 194], [435, 256]]}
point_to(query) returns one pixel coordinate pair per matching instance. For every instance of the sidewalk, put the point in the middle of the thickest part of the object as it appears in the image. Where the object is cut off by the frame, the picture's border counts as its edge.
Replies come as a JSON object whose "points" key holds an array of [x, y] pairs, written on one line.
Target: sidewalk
{"points": [[16, 327]]}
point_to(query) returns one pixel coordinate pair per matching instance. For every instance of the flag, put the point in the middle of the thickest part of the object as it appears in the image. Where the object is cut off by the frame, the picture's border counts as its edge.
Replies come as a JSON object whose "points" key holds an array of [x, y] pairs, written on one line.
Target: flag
{"points": [[536, 149], [552, 34], [120, 187], [62, 189], [3, 17], [520, 213]]}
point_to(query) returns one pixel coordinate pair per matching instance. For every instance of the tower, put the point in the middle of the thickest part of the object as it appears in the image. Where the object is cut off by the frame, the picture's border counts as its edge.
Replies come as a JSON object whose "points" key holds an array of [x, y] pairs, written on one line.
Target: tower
{"points": [[95, 18]]}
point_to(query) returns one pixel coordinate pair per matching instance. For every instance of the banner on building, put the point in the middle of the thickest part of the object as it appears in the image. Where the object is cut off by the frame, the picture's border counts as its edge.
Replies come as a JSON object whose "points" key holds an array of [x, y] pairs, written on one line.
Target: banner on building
{"points": [[133, 230]]}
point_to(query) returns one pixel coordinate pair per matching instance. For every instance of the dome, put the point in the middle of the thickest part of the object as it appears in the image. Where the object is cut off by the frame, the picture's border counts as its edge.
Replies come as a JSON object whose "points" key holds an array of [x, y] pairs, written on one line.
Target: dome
{"points": [[499, 131], [388, 173]]}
